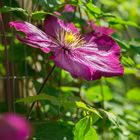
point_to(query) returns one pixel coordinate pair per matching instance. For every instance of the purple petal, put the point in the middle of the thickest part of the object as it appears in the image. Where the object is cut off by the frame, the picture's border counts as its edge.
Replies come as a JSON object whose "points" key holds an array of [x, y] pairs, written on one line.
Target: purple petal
{"points": [[98, 29], [54, 25], [34, 36], [102, 56], [99, 57], [72, 63], [103, 30], [14, 127], [69, 8]]}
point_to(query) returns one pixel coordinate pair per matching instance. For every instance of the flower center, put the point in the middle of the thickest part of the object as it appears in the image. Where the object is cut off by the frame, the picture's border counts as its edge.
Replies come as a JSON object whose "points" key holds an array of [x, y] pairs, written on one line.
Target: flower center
{"points": [[70, 37], [69, 40], [73, 40]]}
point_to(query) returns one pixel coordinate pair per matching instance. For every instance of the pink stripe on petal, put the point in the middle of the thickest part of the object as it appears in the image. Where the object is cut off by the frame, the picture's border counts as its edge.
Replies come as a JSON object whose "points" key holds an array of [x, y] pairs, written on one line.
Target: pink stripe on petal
{"points": [[54, 25], [33, 36], [102, 57], [72, 64]]}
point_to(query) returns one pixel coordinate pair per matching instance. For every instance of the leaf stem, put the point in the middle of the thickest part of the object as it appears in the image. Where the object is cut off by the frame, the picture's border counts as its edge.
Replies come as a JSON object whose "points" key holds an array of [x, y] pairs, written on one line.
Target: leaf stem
{"points": [[102, 93], [41, 88]]}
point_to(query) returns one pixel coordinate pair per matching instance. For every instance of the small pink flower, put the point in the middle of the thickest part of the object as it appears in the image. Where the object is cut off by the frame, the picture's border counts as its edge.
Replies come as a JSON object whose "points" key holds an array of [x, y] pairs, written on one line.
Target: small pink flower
{"points": [[69, 8], [98, 29], [88, 56], [14, 127]]}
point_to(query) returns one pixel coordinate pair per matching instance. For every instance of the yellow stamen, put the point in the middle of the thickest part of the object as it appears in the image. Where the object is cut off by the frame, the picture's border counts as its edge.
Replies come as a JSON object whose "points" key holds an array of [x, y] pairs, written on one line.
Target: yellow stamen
{"points": [[73, 39], [70, 37]]}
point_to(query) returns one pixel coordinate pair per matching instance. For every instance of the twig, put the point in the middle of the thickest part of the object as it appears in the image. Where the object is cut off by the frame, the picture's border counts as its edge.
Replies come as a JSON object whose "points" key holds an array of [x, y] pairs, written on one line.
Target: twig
{"points": [[41, 88]]}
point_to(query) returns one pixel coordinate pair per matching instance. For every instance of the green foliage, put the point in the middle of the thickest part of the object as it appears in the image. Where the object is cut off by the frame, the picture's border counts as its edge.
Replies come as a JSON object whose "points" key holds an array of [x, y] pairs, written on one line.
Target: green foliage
{"points": [[39, 97], [53, 130], [110, 116], [19, 11], [38, 15], [94, 93], [127, 61], [84, 107], [122, 22], [84, 131], [134, 94]]}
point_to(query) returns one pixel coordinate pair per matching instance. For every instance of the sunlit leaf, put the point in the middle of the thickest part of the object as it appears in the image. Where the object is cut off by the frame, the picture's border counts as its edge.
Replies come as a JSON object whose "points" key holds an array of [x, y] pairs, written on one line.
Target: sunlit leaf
{"points": [[83, 106], [94, 93], [31, 99], [84, 131], [127, 61], [38, 15], [1, 47], [134, 94], [6, 9], [122, 22], [93, 9], [67, 89], [129, 70], [122, 44], [110, 116]]}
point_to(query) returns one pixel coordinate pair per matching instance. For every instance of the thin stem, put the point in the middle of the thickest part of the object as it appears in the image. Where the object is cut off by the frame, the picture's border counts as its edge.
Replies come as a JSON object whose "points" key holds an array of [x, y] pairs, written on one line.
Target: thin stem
{"points": [[22, 4], [41, 88], [60, 79], [102, 94], [35, 6], [127, 32], [103, 107], [8, 84], [80, 13]]}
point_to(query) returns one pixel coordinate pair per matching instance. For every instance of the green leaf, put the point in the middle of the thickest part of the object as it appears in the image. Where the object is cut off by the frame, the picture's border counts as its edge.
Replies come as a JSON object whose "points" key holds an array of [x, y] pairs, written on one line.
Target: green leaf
{"points": [[110, 116], [135, 42], [107, 15], [84, 131], [93, 9], [52, 130], [1, 47], [69, 89], [30, 99], [91, 134], [127, 61], [122, 44], [6, 9], [122, 22], [94, 93], [2, 69], [38, 15], [68, 100], [73, 2], [130, 70], [134, 94], [83, 106], [94, 118]]}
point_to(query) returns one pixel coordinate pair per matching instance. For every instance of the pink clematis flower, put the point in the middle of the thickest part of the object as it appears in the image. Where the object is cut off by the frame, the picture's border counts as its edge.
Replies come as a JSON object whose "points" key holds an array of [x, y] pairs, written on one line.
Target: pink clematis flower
{"points": [[88, 56], [69, 8], [98, 29], [14, 127]]}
